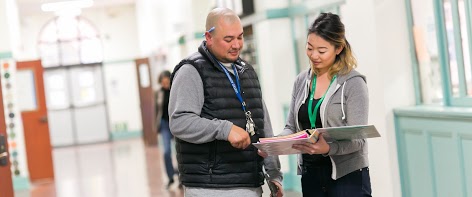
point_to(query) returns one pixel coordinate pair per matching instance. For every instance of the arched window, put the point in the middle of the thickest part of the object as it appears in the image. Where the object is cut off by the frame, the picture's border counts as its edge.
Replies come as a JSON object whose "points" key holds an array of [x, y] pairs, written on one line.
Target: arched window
{"points": [[69, 40], [71, 54]]}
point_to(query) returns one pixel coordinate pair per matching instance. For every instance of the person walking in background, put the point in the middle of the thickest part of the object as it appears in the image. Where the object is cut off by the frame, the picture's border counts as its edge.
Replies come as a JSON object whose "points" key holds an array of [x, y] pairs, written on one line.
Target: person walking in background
{"points": [[216, 111], [162, 123], [330, 94]]}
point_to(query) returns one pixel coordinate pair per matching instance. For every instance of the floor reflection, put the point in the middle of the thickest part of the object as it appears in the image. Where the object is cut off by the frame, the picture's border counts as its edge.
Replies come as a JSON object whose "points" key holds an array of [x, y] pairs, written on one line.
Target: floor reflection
{"points": [[114, 169]]}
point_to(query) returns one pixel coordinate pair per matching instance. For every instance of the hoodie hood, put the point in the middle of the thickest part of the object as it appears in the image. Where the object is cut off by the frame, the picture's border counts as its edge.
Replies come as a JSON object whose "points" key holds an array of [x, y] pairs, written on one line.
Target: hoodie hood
{"points": [[340, 79]]}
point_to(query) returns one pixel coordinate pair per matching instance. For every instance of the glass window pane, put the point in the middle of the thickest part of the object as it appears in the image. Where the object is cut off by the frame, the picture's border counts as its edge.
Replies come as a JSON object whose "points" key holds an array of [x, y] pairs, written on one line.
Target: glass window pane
{"points": [[70, 40], [26, 90], [49, 55], [465, 47], [56, 89], [87, 86], [67, 28], [87, 30], [49, 33], [70, 53], [451, 46], [426, 46]]}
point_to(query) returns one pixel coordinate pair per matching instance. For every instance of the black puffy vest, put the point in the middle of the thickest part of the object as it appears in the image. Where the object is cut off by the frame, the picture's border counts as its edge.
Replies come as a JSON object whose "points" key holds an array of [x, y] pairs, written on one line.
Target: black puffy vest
{"points": [[217, 164]]}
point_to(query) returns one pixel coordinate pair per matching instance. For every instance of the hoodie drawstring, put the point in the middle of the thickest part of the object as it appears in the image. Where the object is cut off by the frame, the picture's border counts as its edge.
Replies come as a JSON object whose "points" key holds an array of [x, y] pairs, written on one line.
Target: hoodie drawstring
{"points": [[342, 101], [307, 89]]}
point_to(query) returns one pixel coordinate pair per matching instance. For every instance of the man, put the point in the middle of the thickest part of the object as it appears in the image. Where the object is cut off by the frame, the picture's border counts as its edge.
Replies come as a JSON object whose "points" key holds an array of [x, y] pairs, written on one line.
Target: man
{"points": [[216, 111]]}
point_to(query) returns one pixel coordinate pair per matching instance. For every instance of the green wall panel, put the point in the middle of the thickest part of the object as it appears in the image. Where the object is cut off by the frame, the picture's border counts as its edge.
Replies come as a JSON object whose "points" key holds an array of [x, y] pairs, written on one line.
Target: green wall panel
{"points": [[467, 157], [446, 165], [434, 151], [416, 158]]}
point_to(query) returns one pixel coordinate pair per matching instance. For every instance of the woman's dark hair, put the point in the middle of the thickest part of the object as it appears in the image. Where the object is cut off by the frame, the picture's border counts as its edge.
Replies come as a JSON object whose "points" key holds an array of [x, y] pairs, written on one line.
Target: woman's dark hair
{"points": [[329, 27], [164, 74]]}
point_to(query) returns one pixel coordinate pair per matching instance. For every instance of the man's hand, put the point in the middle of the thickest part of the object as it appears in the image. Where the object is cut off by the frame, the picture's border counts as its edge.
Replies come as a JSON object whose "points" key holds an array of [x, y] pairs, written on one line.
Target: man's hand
{"points": [[239, 138], [280, 190]]}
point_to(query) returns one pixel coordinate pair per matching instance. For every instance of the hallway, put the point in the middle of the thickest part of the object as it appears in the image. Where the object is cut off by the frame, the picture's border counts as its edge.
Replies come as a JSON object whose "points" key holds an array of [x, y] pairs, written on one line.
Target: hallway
{"points": [[112, 169], [120, 168]]}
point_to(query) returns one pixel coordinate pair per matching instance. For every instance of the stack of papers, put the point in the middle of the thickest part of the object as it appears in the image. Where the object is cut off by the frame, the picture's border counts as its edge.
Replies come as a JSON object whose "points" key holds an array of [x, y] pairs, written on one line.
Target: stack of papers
{"points": [[298, 135], [282, 145]]}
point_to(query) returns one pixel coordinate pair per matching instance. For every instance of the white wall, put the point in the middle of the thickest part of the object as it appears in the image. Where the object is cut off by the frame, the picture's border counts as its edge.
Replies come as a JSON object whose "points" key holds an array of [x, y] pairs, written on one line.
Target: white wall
{"points": [[276, 61], [31, 25], [4, 35], [13, 26], [9, 34], [377, 31], [150, 15], [118, 29], [122, 95]]}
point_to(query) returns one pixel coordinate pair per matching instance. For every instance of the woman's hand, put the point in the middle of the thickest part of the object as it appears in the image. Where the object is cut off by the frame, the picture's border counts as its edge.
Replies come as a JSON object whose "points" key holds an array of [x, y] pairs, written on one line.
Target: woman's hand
{"points": [[320, 147], [262, 153]]}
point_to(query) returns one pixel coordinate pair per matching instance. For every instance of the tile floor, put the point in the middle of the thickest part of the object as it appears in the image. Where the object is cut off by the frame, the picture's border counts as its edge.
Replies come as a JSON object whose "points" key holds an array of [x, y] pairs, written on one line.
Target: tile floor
{"points": [[113, 169]]}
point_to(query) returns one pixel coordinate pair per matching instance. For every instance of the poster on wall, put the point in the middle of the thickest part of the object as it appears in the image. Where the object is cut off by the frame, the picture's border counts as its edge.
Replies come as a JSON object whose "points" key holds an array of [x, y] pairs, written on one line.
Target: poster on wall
{"points": [[11, 103]]}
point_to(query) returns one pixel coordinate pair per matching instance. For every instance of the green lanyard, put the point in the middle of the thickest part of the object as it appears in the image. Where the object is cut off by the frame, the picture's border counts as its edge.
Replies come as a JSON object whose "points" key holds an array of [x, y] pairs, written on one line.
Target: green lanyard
{"points": [[312, 113]]}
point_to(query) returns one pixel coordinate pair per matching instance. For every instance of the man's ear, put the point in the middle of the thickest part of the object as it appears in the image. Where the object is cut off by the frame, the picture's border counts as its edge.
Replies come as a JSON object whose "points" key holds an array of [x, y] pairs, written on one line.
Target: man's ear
{"points": [[208, 37]]}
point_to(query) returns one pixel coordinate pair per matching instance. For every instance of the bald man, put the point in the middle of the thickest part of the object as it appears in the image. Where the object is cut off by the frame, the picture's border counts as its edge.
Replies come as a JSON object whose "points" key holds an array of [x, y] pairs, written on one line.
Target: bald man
{"points": [[216, 112]]}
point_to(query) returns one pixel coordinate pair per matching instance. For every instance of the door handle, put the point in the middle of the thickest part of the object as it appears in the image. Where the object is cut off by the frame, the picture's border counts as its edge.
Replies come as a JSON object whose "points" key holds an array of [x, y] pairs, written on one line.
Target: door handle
{"points": [[3, 151], [43, 119], [3, 155]]}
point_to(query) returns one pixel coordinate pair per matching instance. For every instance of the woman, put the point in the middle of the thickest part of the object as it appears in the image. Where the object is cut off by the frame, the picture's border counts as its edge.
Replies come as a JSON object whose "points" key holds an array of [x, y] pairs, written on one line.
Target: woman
{"points": [[330, 94], [162, 121]]}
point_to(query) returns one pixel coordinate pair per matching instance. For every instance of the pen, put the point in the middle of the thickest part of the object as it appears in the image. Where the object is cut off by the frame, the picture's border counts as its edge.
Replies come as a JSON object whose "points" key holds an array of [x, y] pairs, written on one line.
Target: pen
{"points": [[210, 30]]}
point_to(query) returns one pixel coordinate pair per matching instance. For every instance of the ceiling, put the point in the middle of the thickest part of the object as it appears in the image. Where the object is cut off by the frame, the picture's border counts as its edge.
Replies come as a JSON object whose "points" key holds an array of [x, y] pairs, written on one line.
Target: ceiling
{"points": [[27, 7]]}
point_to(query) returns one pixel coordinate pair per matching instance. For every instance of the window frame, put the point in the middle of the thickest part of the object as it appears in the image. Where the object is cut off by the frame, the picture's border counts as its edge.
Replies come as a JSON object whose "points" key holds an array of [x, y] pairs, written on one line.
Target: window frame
{"points": [[448, 99]]}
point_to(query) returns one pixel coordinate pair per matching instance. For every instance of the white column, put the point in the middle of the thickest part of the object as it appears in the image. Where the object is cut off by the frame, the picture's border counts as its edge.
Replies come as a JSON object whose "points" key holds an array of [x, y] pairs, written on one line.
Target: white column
{"points": [[378, 34], [9, 47], [10, 32], [276, 60]]}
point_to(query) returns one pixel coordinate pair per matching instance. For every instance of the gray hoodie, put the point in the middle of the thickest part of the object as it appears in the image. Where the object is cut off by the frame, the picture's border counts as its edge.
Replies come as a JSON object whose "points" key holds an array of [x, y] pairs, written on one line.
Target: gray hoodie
{"points": [[345, 104]]}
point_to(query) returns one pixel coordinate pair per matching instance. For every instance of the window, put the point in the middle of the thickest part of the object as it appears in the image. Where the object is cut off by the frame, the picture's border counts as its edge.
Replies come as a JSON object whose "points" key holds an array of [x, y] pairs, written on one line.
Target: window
{"points": [[441, 32], [69, 40]]}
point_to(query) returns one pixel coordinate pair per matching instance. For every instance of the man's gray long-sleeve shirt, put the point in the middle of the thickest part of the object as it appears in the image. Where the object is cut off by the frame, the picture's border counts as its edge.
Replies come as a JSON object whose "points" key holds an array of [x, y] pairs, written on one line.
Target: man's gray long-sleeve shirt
{"points": [[185, 105]]}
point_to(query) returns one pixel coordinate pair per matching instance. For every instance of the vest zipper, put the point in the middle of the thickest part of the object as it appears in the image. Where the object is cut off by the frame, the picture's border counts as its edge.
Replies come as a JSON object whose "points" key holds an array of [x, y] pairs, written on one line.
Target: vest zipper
{"points": [[211, 174], [211, 161]]}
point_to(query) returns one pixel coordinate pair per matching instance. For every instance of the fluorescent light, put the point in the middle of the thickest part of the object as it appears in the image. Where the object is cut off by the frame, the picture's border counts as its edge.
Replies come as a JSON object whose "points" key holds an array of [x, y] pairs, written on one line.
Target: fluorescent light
{"points": [[68, 12], [62, 5]]}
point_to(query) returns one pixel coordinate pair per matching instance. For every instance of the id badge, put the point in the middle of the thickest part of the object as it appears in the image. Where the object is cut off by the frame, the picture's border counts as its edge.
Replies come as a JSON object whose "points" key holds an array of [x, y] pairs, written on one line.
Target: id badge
{"points": [[250, 124]]}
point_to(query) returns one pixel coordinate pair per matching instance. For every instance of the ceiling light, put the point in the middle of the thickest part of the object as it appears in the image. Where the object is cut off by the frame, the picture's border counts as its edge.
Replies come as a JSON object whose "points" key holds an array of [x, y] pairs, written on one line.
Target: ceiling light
{"points": [[66, 5]]}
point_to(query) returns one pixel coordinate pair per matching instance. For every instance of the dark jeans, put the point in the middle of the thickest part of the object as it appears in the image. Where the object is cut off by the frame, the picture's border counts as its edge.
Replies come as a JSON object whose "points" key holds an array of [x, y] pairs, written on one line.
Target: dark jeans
{"points": [[166, 139], [316, 181]]}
